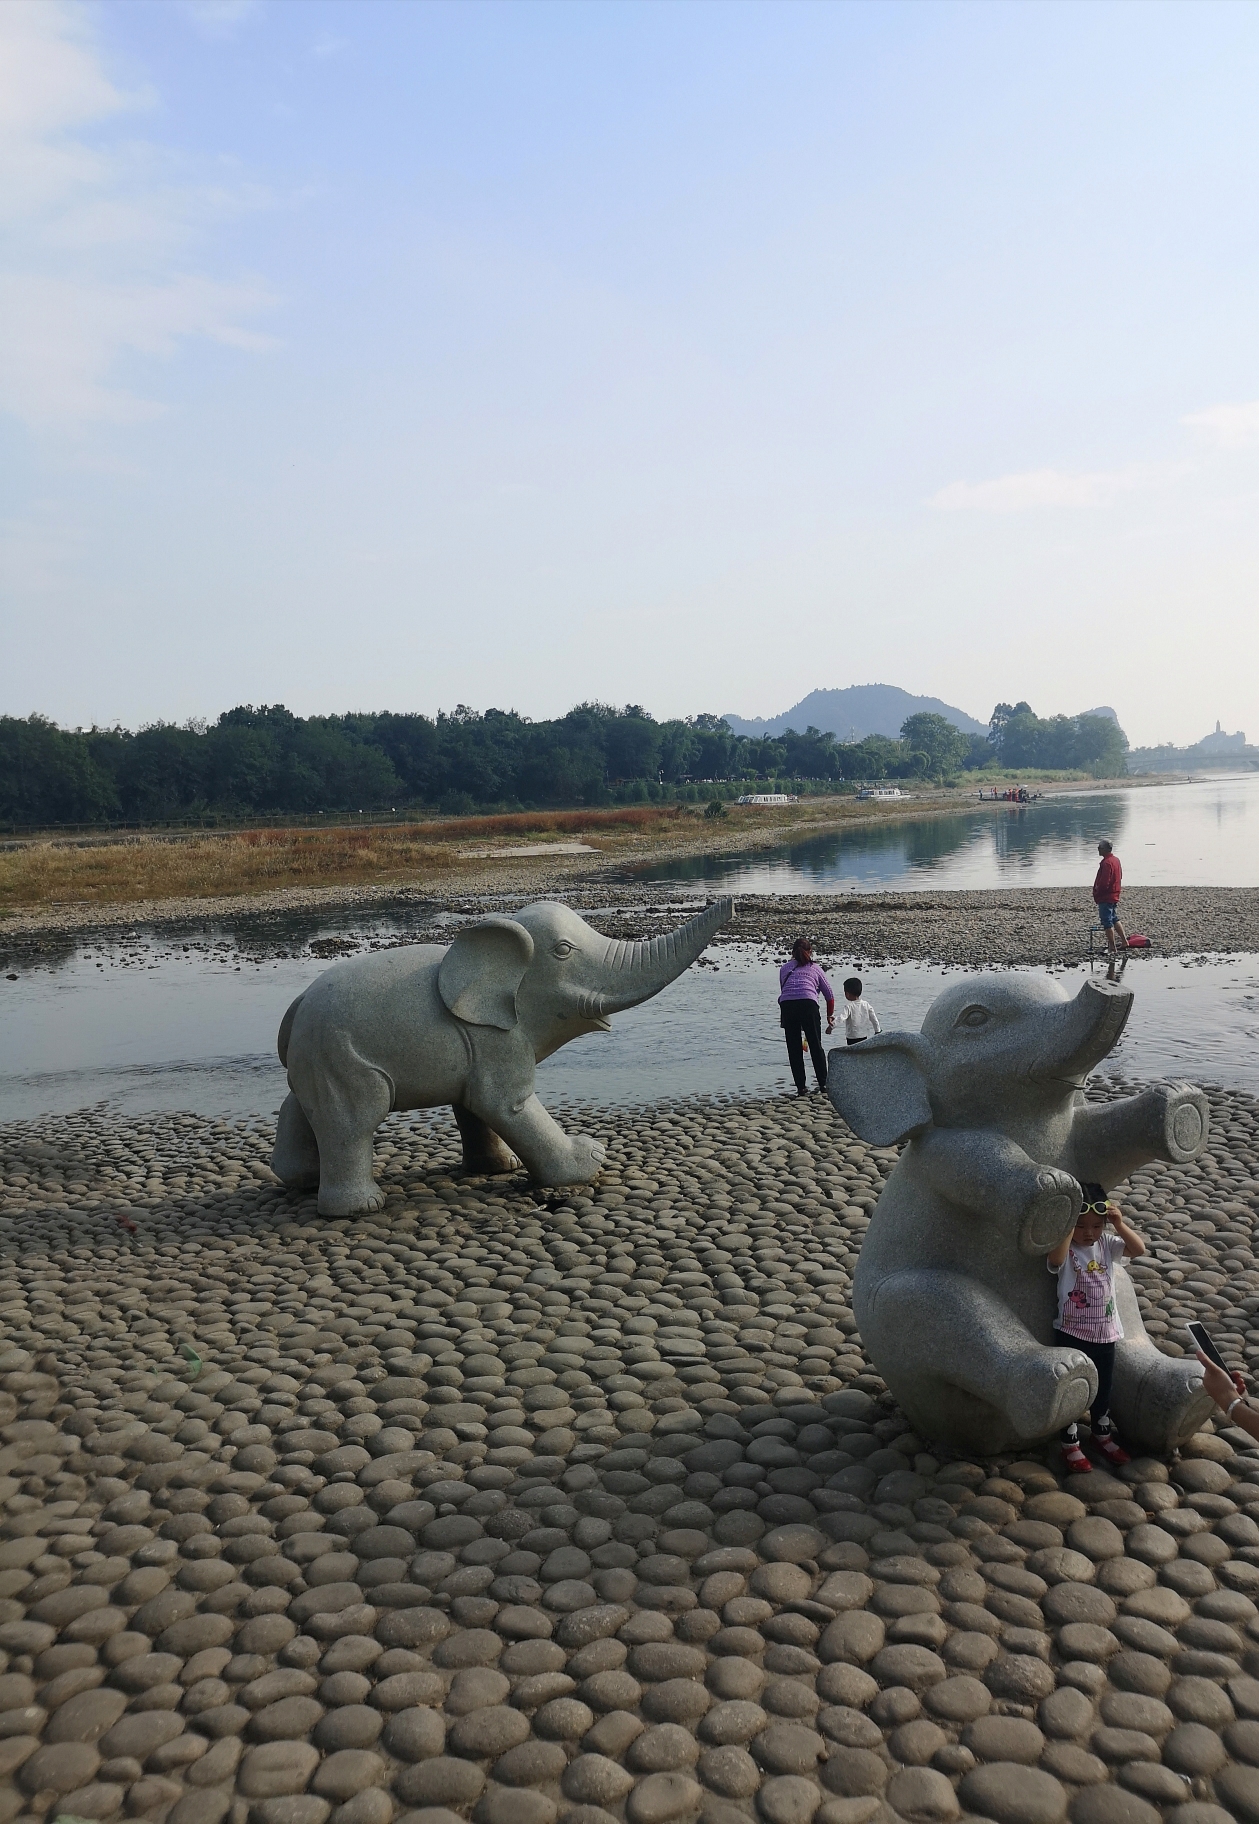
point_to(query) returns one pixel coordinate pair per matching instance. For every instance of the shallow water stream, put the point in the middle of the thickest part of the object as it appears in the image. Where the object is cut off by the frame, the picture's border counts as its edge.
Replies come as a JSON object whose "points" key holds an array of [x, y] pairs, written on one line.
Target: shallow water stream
{"points": [[151, 1026]]}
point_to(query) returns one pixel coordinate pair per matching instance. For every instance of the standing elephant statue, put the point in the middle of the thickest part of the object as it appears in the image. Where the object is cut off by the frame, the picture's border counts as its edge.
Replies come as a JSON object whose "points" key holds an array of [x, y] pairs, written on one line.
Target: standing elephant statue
{"points": [[952, 1294], [425, 1025]]}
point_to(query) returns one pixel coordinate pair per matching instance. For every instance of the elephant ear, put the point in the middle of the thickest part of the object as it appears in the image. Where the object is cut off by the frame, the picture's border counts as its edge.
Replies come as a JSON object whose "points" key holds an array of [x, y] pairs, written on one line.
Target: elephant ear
{"points": [[880, 1087], [480, 973]]}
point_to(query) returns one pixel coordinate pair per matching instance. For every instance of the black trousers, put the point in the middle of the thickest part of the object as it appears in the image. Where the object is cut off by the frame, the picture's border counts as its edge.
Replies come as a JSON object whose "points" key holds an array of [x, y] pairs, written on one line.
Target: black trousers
{"points": [[1102, 1356], [802, 1024]]}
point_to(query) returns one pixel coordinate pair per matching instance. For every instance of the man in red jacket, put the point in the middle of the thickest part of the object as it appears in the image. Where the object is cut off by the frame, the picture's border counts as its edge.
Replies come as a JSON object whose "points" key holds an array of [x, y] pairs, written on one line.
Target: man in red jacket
{"points": [[1106, 890]]}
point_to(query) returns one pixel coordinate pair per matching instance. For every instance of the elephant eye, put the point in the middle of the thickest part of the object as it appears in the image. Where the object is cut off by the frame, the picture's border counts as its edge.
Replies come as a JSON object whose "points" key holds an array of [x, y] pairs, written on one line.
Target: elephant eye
{"points": [[562, 949], [972, 1017]]}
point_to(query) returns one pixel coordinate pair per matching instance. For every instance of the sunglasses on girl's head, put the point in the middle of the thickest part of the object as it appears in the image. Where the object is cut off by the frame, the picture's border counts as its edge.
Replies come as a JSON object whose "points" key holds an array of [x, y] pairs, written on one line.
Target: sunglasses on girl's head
{"points": [[1094, 1209]]}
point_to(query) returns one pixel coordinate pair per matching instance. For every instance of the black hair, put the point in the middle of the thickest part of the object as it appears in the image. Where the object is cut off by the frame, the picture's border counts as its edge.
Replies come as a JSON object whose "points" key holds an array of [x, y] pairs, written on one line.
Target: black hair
{"points": [[853, 985], [801, 949], [1093, 1193]]}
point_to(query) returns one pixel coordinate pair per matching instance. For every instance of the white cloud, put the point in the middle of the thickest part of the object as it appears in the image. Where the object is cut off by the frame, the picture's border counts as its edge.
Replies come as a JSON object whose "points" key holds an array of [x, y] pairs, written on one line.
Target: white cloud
{"points": [[101, 237], [1231, 427], [1043, 488]]}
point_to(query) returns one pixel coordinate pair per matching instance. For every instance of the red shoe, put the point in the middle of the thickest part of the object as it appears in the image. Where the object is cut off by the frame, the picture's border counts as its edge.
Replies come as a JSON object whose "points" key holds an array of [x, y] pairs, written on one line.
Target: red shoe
{"points": [[1075, 1459], [1110, 1448]]}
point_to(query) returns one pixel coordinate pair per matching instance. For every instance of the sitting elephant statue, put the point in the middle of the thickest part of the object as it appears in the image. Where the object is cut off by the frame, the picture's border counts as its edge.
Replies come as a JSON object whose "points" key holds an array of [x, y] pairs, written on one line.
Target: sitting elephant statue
{"points": [[427, 1024], [954, 1300]]}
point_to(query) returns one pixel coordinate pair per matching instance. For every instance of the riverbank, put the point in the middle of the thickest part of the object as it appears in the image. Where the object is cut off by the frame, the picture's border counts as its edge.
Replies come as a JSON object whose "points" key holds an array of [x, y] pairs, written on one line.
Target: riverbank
{"points": [[582, 1506], [72, 883], [1032, 927]]}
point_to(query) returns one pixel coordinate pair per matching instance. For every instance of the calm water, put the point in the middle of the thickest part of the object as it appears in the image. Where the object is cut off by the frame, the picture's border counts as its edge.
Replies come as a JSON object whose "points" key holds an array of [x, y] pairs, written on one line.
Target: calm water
{"points": [[147, 1028], [151, 1022], [1192, 834]]}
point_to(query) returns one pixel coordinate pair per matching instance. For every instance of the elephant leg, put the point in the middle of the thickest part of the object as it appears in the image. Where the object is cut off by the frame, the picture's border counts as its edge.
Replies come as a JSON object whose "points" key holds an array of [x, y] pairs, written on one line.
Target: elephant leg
{"points": [[965, 1368], [1157, 1400], [345, 1112], [295, 1157], [484, 1153], [552, 1156]]}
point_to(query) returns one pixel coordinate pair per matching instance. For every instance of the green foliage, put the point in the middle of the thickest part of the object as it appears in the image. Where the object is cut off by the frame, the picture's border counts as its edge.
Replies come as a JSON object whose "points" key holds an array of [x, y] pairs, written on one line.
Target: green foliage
{"points": [[936, 747], [1090, 744], [714, 808], [266, 761]]}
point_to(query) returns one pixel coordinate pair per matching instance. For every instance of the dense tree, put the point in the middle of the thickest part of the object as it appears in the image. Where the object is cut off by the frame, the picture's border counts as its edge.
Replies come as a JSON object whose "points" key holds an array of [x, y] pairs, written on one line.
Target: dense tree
{"points": [[265, 761], [935, 738]]}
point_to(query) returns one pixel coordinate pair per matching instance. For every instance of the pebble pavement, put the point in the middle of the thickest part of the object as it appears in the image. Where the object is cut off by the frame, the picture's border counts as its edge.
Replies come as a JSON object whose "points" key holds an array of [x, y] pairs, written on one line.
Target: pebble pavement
{"points": [[521, 1507]]}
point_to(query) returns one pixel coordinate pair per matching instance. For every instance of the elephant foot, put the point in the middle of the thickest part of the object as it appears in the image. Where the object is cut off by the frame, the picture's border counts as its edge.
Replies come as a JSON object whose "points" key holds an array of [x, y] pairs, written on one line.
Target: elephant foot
{"points": [[1049, 1388], [1158, 1402], [583, 1162], [350, 1200]]}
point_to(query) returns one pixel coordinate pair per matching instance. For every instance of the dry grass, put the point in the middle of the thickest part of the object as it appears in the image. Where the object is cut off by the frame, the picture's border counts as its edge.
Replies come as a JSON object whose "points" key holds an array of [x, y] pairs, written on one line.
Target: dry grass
{"points": [[119, 873], [125, 871]]}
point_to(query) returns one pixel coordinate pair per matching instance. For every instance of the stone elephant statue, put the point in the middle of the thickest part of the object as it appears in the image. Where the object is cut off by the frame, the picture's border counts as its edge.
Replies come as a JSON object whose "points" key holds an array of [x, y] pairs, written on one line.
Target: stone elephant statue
{"points": [[464, 1024], [952, 1294]]}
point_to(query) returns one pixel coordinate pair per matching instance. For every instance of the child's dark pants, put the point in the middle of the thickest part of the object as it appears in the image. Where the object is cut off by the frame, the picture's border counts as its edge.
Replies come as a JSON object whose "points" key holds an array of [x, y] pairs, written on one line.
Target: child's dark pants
{"points": [[801, 1022], [1102, 1356]]}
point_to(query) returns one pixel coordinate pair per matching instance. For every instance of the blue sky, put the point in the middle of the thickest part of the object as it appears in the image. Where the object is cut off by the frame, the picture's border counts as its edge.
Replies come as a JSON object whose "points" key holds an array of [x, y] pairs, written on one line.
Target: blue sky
{"points": [[393, 356]]}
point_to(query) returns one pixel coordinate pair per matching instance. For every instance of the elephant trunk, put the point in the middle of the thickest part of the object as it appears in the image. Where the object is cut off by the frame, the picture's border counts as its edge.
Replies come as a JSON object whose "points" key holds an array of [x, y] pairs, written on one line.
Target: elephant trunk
{"points": [[636, 971], [1084, 1031]]}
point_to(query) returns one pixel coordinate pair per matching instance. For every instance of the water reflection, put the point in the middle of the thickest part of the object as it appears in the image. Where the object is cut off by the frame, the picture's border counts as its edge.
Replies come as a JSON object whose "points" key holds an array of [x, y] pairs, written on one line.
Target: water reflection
{"points": [[1193, 834], [199, 1035]]}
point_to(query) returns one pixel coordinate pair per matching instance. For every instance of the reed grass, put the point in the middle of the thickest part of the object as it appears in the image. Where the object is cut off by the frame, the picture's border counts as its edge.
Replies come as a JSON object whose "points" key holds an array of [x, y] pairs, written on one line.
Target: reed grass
{"points": [[200, 867]]}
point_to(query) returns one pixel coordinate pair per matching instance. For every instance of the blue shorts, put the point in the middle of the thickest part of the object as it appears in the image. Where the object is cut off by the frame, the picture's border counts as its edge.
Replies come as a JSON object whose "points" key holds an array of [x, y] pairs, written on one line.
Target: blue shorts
{"points": [[1109, 916]]}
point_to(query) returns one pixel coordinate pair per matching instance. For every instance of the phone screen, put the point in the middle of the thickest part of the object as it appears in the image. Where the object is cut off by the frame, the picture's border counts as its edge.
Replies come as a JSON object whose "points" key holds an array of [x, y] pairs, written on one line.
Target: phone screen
{"points": [[1202, 1340]]}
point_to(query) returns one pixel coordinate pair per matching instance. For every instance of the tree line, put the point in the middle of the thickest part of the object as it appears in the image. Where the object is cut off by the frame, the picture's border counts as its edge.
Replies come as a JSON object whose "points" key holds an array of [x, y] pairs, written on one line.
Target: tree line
{"points": [[267, 761]]}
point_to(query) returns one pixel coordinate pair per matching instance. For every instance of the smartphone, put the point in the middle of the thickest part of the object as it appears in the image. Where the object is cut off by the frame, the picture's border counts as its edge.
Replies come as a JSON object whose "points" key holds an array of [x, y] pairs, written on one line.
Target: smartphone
{"points": [[1202, 1340]]}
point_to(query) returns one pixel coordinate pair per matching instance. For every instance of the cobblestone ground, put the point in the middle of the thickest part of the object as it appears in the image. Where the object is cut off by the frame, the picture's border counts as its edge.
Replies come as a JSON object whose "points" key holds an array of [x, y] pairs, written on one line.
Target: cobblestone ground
{"points": [[589, 1508]]}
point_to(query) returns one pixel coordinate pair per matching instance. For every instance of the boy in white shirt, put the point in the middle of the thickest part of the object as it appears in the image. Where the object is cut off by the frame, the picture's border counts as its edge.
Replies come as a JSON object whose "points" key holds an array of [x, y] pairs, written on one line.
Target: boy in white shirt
{"points": [[860, 1019]]}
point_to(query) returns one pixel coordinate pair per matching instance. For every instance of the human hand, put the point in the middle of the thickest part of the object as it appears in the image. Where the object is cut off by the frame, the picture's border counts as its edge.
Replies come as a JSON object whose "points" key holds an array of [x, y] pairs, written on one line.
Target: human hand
{"points": [[830, 1025], [1222, 1387]]}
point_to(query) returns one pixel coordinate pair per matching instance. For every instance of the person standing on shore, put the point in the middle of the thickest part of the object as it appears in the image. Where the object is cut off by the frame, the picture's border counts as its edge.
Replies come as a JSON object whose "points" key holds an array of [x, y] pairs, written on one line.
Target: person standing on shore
{"points": [[1106, 890], [861, 1022], [799, 983]]}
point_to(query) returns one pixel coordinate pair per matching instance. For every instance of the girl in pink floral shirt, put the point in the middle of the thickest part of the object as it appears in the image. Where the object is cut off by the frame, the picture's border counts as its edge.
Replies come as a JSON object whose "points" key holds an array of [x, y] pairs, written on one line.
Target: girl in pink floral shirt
{"points": [[1088, 1312]]}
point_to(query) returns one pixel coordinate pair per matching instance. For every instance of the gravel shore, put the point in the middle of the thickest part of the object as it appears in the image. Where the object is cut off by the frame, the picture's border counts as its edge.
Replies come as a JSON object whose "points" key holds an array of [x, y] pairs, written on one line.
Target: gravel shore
{"points": [[522, 1507], [1040, 925]]}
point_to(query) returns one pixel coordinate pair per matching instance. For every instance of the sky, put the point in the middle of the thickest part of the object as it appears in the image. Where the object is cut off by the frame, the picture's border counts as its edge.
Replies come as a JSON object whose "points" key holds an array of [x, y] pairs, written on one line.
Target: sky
{"points": [[394, 356]]}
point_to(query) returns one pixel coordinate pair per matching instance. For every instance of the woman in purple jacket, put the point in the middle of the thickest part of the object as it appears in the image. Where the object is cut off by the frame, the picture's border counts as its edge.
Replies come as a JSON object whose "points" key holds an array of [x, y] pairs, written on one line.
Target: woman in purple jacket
{"points": [[800, 982]]}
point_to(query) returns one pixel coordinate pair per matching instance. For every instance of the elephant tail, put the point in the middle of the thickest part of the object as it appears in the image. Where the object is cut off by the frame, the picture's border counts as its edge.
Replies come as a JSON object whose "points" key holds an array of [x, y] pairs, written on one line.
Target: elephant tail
{"points": [[286, 1027]]}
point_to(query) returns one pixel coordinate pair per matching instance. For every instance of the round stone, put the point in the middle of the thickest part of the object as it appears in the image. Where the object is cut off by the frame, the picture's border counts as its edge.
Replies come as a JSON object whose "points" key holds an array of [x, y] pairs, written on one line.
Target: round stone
{"points": [[854, 1772], [1020, 1677], [788, 1799], [343, 1775], [1011, 1793], [1111, 1805], [1194, 1749], [1004, 1738], [922, 1792], [593, 1779], [1200, 1700], [487, 1732], [959, 1699], [729, 1771], [662, 1748], [662, 1797], [1237, 1787], [915, 1667], [351, 1726]]}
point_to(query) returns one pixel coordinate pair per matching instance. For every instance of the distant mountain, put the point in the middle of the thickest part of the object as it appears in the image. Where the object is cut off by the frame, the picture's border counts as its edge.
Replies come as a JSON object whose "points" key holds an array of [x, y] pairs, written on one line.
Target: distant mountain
{"points": [[862, 709]]}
